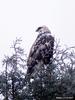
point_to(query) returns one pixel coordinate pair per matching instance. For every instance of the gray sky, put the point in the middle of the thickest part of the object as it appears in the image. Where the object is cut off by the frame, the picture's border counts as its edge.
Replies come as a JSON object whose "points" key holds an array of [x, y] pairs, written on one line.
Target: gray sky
{"points": [[20, 18]]}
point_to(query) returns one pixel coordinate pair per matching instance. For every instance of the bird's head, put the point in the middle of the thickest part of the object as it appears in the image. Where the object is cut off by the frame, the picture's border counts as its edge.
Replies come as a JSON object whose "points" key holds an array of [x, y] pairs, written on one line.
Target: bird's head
{"points": [[43, 29]]}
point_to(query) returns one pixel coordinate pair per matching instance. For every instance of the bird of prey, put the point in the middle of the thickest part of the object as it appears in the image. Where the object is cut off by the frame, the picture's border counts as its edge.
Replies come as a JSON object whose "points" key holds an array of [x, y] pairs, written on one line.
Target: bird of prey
{"points": [[42, 49]]}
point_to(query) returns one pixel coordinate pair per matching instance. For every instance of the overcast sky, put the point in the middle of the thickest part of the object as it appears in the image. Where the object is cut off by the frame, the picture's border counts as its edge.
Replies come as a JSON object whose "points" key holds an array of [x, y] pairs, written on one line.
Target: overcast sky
{"points": [[20, 18]]}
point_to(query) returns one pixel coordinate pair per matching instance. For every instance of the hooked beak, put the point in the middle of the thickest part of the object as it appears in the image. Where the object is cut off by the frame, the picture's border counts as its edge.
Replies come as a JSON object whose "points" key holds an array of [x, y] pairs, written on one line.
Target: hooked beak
{"points": [[38, 29]]}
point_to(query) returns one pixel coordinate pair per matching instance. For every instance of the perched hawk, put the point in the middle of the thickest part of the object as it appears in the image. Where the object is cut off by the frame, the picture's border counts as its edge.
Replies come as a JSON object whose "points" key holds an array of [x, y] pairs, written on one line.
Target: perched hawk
{"points": [[42, 49]]}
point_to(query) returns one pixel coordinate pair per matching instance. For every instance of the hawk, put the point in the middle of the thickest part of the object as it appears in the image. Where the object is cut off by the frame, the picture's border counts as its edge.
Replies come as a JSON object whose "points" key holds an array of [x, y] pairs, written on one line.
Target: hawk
{"points": [[42, 49]]}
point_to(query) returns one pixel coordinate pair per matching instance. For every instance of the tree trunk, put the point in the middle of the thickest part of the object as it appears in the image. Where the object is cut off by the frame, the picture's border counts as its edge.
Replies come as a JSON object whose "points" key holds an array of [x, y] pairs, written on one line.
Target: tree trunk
{"points": [[13, 88], [6, 98]]}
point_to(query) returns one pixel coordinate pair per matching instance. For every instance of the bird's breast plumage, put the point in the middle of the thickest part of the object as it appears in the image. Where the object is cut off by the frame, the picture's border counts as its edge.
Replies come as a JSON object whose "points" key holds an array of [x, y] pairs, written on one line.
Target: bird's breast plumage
{"points": [[41, 49]]}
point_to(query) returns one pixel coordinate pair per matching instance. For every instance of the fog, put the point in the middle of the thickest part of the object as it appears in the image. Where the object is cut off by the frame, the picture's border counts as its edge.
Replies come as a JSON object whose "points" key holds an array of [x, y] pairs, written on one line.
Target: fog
{"points": [[20, 18]]}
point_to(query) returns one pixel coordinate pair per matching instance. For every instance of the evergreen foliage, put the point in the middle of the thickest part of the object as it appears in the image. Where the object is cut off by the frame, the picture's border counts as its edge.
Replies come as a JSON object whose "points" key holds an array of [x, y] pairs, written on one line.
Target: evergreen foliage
{"points": [[48, 82]]}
